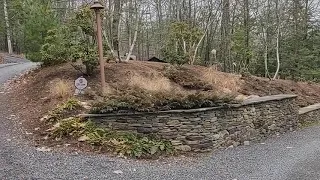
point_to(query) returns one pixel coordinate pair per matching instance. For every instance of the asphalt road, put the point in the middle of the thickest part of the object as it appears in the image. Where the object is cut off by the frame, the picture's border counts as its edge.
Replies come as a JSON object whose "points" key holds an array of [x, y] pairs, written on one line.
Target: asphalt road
{"points": [[293, 156]]}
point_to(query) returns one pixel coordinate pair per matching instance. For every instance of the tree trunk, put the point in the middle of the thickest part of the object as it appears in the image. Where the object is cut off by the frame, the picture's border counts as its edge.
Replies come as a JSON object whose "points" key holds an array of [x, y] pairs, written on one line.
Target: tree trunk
{"points": [[306, 18], [266, 51], [278, 36], [135, 33], [247, 28], [115, 26], [7, 26], [267, 39], [225, 36]]}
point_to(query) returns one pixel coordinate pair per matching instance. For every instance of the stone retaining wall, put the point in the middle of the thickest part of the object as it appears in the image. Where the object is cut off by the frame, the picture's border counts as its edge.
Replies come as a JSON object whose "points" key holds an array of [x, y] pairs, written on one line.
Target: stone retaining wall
{"points": [[210, 128], [309, 114]]}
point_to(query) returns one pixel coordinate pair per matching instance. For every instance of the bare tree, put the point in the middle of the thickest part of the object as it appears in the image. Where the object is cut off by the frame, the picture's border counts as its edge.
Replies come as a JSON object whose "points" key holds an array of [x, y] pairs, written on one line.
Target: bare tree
{"points": [[225, 36], [7, 26], [278, 36], [247, 28]]}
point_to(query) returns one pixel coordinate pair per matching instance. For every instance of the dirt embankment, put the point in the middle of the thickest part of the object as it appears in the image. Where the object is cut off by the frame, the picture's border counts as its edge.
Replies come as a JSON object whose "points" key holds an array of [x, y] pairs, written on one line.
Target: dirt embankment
{"points": [[40, 91], [308, 93]]}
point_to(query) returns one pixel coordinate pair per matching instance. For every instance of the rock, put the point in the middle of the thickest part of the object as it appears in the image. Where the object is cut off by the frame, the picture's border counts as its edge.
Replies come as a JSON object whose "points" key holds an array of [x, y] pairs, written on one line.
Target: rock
{"points": [[85, 105], [253, 96], [224, 133], [135, 125], [264, 131], [165, 131], [44, 149], [147, 125], [176, 143], [192, 134], [241, 97], [194, 138], [216, 137], [145, 130], [118, 172], [202, 146], [235, 144], [246, 143], [173, 122], [192, 142], [272, 127], [184, 148]]}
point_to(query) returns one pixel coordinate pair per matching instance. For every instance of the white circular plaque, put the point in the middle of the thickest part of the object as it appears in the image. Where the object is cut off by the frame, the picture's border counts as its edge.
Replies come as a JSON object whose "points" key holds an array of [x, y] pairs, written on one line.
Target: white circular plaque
{"points": [[81, 83]]}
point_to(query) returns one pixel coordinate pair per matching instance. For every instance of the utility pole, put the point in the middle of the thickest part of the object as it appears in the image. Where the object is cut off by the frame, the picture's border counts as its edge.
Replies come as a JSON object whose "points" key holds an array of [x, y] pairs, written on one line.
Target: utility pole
{"points": [[97, 7]]}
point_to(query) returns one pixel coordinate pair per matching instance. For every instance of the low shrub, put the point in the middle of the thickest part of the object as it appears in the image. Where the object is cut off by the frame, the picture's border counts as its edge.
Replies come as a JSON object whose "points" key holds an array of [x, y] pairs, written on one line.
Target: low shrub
{"points": [[65, 109], [138, 100]]}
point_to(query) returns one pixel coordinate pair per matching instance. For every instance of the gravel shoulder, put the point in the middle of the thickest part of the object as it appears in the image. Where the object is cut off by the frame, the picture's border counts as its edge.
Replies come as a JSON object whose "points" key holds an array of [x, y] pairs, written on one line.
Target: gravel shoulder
{"points": [[293, 156]]}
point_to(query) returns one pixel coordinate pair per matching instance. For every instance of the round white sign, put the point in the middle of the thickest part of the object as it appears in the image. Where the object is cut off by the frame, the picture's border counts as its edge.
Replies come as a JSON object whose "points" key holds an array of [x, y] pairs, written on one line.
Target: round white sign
{"points": [[81, 83]]}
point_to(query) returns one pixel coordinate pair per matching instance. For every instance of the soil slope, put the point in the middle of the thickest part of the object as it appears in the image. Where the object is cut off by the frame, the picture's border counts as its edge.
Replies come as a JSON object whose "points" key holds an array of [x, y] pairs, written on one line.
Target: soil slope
{"points": [[35, 93]]}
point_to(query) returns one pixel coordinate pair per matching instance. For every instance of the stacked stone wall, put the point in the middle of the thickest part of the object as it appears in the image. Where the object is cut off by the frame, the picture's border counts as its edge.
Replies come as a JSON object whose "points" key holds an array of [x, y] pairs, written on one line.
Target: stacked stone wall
{"points": [[211, 128]]}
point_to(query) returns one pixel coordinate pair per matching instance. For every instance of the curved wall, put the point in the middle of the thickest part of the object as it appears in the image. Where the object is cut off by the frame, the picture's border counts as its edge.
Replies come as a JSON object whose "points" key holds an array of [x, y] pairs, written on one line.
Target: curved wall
{"points": [[211, 128]]}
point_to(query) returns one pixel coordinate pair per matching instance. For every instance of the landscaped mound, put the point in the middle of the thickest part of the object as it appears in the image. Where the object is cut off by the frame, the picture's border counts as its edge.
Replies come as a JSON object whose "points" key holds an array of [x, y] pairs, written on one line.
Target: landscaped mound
{"points": [[131, 87]]}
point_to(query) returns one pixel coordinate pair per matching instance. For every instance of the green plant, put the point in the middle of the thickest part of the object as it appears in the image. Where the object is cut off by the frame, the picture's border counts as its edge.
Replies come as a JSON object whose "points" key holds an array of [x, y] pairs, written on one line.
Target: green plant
{"points": [[138, 100], [181, 46], [65, 108], [68, 127], [126, 144], [71, 104], [54, 50], [138, 146]]}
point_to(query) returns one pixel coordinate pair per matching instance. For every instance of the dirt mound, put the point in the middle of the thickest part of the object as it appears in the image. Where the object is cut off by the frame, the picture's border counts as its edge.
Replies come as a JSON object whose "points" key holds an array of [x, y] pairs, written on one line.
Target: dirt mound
{"points": [[308, 93], [36, 90], [40, 91]]}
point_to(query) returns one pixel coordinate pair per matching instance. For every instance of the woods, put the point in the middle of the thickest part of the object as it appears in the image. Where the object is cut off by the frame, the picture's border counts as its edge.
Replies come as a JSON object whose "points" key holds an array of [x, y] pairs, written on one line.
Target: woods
{"points": [[273, 38]]}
